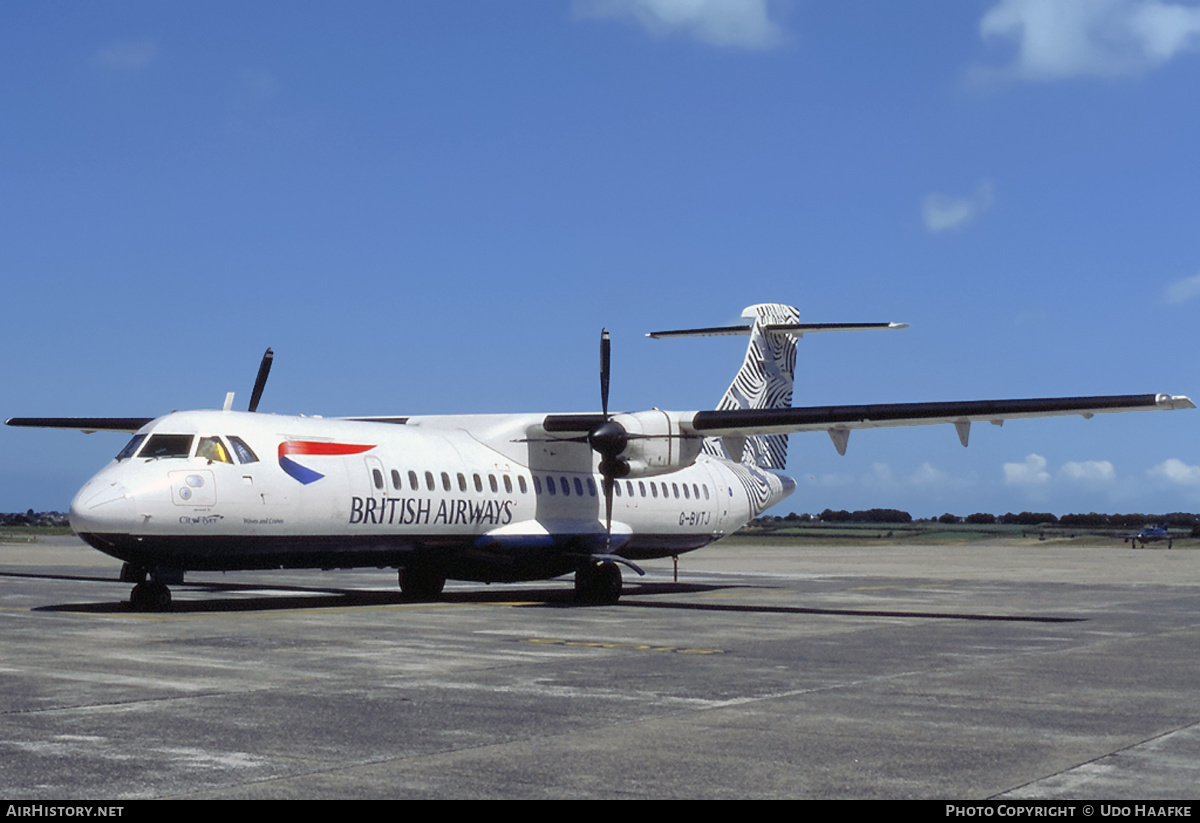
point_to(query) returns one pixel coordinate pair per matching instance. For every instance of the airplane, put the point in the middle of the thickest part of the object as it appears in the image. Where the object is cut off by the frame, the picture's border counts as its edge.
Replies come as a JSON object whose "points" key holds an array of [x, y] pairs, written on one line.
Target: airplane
{"points": [[483, 498], [1151, 534]]}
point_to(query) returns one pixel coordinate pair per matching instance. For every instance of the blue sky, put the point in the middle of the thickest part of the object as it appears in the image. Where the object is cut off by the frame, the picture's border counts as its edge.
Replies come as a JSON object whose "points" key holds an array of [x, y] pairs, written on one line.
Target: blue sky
{"points": [[434, 207]]}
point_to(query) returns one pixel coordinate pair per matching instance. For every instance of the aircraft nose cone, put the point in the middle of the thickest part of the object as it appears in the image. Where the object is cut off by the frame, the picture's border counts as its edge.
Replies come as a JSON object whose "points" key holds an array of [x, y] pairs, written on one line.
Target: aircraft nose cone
{"points": [[102, 506]]}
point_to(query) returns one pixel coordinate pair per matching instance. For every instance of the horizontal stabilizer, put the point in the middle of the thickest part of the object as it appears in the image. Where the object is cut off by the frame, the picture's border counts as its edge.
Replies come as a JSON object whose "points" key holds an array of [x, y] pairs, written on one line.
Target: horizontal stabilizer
{"points": [[797, 329]]}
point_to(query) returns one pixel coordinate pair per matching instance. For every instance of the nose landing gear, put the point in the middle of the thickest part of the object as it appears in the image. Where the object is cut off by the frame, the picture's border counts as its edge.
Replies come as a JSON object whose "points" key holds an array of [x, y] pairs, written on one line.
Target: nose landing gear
{"points": [[151, 593], [150, 596]]}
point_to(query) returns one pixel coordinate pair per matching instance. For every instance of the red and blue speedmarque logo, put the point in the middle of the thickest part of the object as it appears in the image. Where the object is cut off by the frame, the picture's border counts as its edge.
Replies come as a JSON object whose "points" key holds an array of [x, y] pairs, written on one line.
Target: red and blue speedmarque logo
{"points": [[304, 474]]}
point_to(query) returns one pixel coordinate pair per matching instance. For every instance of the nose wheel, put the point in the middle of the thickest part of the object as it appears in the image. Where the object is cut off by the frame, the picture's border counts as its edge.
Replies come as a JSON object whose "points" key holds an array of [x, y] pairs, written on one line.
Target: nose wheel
{"points": [[150, 596]]}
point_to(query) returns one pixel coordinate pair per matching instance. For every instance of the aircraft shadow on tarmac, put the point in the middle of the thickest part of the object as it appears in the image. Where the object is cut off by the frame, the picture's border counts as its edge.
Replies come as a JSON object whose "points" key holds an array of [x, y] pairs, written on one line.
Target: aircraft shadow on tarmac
{"points": [[323, 597]]}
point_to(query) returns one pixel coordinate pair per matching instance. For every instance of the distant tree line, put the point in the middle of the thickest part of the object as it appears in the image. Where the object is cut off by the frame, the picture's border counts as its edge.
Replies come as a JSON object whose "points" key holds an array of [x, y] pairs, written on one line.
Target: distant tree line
{"points": [[1092, 520], [32, 518]]}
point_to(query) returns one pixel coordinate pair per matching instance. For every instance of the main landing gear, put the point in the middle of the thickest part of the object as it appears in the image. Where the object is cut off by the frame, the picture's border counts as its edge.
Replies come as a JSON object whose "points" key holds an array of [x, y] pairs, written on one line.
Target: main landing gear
{"points": [[598, 584], [149, 595]]}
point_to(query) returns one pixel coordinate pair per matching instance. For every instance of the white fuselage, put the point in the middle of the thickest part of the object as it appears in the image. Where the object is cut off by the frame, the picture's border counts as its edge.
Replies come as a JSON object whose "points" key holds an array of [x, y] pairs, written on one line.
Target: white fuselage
{"points": [[485, 497]]}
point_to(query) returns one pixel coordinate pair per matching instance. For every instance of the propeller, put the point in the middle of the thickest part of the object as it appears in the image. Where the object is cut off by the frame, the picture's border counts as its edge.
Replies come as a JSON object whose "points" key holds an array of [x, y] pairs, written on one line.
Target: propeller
{"points": [[608, 440], [264, 369]]}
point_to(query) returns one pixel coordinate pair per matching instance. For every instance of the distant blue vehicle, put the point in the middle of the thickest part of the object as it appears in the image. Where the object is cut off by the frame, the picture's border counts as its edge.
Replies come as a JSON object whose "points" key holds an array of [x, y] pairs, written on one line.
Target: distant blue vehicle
{"points": [[1151, 534]]}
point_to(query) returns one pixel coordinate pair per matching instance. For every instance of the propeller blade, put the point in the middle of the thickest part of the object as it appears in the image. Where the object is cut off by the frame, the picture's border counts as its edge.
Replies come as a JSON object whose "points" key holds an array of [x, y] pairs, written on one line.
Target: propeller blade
{"points": [[264, 369], [608, 500], [608, 438], [605, 361]]}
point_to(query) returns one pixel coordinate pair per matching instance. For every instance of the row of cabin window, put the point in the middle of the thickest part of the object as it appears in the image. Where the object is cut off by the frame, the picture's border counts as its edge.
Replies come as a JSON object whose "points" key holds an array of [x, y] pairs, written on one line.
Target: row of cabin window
{"points": [[551, 488], [414, 482], [695, 489]]}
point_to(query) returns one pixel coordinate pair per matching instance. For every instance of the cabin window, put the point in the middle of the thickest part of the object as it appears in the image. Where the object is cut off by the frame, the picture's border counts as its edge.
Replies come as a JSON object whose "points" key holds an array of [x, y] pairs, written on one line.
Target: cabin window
{"points": [[446, 482], [617, 488], [507, 484], [591, 484], [537, 484], [653, 490], [674, 488], [566, 489], [492, 483], [629, 487], [396, 480], [641, 488], [524, 486], [578, 487], [429, 481], [462, 482], [686, 496], [167, 445], [550, 485], [412, 481], [244, 453], [705, 491], [131, 447], [478, 483], [377, 476]]}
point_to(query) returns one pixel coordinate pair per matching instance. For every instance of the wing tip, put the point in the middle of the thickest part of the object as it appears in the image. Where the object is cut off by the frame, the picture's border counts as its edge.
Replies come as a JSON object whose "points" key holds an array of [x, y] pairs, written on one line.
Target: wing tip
{"points": [[1177, 401]]}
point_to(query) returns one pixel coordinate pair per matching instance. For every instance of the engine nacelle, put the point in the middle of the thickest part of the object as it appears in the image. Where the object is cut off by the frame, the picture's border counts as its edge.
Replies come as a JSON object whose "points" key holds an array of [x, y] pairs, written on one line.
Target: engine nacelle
{"points": [[657, 444]]}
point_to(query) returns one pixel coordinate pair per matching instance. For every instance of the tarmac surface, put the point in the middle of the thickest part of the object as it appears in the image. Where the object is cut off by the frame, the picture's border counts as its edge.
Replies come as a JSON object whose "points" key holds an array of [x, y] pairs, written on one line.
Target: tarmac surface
{"points": [[975, 671]]}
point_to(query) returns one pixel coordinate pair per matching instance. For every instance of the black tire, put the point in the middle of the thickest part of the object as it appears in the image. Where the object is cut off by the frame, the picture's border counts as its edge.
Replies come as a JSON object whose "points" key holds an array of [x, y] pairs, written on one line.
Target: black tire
{"points": [[419, 583], [598, 584], [150, 596]]}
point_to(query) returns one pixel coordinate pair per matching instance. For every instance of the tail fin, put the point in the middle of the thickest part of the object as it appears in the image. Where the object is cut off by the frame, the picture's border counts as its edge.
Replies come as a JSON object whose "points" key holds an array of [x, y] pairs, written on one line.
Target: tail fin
{"points": [[763, 382], [766, 377]]}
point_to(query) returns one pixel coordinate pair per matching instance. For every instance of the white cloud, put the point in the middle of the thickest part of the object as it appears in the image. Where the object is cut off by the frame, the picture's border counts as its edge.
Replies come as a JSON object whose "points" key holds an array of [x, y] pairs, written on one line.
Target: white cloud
{"points": [[1030, 473], [941, 212], [1057, 39], [1088, 471], [744, 24], [881, 473], [127, 55], [1183, 290], [926, 475], [1177, 472]]}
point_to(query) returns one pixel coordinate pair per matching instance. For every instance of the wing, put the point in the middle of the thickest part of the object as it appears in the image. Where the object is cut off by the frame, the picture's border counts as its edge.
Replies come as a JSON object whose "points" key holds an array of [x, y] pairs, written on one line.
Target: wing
{"points": [[840, 420], [83, 424]]}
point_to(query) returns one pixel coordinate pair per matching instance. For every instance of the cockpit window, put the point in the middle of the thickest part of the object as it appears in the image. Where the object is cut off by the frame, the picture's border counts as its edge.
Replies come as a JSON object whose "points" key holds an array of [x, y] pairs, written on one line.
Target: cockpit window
{"points": [[211, 448], [131, 447], [167, 445], [244, 453]]}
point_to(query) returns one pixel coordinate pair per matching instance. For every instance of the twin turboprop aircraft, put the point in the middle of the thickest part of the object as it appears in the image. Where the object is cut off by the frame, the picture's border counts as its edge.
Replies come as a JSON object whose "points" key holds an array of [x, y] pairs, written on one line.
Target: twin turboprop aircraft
{"points": [[485, 498]]}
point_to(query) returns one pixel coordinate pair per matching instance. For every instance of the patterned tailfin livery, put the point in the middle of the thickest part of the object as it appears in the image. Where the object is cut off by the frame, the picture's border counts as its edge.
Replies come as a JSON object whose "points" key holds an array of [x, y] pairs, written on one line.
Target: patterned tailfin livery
{"points": [[763, 382]]}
